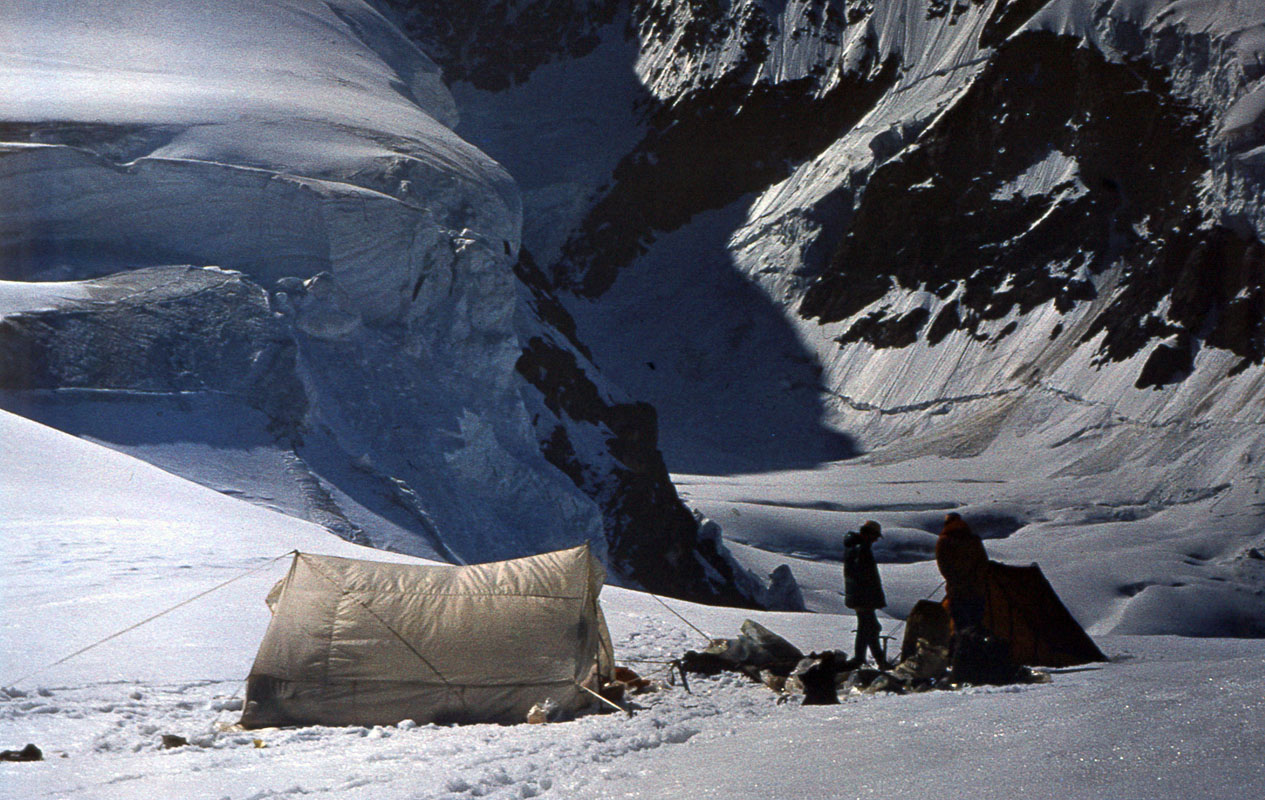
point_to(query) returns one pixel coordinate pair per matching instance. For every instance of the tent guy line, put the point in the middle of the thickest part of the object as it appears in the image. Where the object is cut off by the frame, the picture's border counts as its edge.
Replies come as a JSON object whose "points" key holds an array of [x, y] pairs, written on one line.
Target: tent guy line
{"points": [[150, 619], [927, 596], [683, 619]]}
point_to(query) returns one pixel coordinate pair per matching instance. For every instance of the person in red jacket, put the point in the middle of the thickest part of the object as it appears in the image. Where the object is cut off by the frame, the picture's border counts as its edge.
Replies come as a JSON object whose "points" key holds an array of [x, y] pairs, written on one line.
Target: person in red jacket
{"points": [[963, 563]]}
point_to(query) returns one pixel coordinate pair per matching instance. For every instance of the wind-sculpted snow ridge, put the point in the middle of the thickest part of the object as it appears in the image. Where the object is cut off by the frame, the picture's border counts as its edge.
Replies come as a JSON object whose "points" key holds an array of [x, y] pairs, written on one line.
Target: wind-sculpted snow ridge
{"points": [[1021, 235], [244, 241]]}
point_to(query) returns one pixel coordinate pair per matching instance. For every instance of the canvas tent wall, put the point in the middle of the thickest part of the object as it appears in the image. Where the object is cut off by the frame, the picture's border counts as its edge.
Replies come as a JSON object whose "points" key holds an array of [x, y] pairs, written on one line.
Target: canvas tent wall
{"points": [[356, 642]]}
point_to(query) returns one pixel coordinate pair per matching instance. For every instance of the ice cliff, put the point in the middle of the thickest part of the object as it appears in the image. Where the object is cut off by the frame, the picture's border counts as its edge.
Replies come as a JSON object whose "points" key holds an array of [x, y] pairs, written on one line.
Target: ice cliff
{"points": [[248, 231]]}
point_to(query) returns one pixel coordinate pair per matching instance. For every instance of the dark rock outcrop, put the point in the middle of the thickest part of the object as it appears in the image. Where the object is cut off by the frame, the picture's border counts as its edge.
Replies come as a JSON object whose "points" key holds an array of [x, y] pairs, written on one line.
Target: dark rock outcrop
{"points": [[703, 151], [653, 539], [498, 45]]}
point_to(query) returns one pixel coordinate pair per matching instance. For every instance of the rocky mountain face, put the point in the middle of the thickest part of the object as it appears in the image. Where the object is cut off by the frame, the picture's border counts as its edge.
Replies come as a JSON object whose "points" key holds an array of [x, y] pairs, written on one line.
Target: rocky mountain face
{"points": [[913, 171], [608, 446], [1053, 139], [804, 229], [501, 44]]}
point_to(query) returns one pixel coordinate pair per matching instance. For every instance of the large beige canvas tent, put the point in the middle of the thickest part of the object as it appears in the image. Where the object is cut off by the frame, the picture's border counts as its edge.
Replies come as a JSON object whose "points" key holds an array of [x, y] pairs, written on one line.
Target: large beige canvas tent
{"points": [[356, 642]]}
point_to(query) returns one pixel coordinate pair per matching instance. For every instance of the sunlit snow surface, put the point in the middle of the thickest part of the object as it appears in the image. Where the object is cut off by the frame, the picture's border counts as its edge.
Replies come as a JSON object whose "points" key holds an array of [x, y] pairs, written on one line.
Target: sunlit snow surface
{"points": [[97, 541]]}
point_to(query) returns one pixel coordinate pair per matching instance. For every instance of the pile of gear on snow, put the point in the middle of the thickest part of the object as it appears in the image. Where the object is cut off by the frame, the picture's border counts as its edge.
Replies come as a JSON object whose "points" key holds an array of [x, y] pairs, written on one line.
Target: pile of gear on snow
{"points": [[929, 659]]}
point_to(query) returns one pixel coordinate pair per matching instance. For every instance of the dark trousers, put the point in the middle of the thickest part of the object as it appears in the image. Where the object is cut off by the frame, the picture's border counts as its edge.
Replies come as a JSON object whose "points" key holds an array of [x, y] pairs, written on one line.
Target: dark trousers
{"points": [[867, 637], [967, 612]]}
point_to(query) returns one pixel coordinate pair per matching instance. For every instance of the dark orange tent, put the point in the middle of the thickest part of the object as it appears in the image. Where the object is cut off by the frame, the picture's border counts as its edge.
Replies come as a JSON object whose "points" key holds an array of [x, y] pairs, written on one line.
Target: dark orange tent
{"points": [[1021, 608]]}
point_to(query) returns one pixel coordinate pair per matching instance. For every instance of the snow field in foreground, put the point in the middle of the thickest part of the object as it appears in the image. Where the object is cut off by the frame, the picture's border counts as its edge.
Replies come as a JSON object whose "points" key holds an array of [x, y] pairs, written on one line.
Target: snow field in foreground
{"points": [[97, 540], [1168, 719]]}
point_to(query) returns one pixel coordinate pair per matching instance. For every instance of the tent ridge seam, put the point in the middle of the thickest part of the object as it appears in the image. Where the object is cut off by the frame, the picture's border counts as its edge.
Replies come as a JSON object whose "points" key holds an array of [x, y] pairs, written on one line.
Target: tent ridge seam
{"points": [[438, 684], [466, 594]]}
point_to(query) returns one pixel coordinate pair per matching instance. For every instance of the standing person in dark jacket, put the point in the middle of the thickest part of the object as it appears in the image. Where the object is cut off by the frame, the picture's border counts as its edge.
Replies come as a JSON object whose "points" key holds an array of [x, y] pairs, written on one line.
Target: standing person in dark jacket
{"points": [[963, 563], [863, 591]]}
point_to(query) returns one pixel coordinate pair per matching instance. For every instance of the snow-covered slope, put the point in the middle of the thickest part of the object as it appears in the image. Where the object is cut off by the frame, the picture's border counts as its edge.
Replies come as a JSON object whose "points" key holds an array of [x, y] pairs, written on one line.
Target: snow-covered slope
{"points": [[181, 118], [97, 541], [351, 321]]}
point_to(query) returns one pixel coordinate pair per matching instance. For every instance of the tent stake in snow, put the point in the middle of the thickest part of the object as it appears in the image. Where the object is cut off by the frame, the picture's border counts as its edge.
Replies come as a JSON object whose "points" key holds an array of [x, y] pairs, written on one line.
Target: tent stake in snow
{"points": [[674, 664], [613, 705]]}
